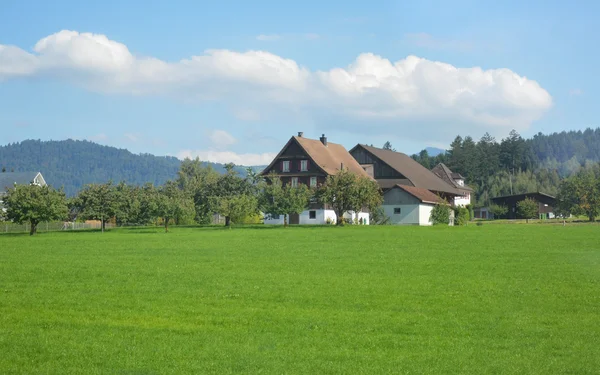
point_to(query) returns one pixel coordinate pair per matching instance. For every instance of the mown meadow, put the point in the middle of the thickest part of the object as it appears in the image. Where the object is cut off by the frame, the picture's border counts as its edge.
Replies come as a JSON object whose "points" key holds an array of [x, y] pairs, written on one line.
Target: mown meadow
{"points": [[491, 299]]}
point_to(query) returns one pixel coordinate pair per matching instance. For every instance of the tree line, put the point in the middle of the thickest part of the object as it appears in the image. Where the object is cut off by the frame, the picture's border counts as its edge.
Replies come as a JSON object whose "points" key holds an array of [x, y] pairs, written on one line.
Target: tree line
{"points": [[73, 163], [197, 194], [515, 165]]}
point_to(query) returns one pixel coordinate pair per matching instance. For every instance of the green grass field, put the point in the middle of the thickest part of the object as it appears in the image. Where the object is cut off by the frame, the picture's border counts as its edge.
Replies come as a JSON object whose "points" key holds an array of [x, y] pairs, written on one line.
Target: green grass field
{"points": [[495, 299]]}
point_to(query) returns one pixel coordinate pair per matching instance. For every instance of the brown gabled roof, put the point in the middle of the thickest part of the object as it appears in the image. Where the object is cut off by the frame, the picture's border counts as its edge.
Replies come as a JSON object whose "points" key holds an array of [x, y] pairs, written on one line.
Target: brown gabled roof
{"points": [[443, 172], [418, 175], [329, 158], [424, 195]]}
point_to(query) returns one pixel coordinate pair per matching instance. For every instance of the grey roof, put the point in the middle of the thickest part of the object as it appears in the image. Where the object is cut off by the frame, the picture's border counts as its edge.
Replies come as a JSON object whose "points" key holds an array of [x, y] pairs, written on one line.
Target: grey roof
{"points": [[418, 175], [8, 179], [443, 172]]}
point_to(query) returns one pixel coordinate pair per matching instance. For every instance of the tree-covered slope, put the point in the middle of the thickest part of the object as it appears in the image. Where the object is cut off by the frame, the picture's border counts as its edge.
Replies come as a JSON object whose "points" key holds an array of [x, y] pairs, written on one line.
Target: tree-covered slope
{"points": [[72, 164]]}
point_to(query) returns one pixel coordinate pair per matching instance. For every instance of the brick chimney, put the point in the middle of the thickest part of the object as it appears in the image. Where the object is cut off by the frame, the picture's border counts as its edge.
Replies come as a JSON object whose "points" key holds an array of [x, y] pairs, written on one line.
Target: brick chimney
{"points": [[323, 140], [300, 134]]}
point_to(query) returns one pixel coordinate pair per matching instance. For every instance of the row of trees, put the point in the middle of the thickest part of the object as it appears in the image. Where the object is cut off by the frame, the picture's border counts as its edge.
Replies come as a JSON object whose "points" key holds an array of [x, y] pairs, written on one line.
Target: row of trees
{"points": [[198, 193], [516, 165]]}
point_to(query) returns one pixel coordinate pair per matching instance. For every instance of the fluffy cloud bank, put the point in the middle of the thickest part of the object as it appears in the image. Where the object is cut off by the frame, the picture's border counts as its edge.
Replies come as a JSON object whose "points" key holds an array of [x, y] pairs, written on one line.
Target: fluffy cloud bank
{"points": [[372, 90]]}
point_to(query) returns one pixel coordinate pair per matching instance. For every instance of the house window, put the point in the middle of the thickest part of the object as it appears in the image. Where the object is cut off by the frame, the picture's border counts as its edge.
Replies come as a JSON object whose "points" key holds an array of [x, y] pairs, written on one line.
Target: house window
{"points": [[397, 210], [285, 166], [313, 182], [312, 214], [303, 165], [294, 181]]}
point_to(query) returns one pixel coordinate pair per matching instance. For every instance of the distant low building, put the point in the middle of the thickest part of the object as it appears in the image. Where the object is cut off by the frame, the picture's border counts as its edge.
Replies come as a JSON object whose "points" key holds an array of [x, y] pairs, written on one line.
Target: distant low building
{"points": [[483, 213], [546, 204], [409, 205]]}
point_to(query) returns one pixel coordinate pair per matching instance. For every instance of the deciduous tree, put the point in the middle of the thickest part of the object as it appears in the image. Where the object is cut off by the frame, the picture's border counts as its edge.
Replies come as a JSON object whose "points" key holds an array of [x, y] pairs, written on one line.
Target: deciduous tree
{"points": [[35, 204], [172, 204], [98, 202], [580, 195], [346, 191], [277, 199], [528, 209]]}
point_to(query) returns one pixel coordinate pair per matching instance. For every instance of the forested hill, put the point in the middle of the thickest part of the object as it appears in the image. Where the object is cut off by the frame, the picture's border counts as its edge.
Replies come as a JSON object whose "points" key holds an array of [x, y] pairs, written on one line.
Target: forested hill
{"points": [[517, 165], [72, 164]]}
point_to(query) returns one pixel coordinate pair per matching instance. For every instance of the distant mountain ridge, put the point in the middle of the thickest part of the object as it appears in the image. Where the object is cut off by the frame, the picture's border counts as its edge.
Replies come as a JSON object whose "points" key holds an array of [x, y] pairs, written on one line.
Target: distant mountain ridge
{"points": [[73, 163], [434, 151]]}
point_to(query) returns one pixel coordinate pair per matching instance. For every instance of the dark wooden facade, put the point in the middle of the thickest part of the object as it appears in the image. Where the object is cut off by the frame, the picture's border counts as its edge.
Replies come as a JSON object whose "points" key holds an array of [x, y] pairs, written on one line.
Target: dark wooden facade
{"points": [[295, 154], [546, 204], [380, 169]]}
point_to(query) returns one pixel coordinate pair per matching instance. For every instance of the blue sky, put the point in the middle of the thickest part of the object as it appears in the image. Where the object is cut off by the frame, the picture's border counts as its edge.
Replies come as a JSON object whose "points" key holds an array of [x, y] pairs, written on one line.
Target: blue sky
{"points": [[124, 74]]}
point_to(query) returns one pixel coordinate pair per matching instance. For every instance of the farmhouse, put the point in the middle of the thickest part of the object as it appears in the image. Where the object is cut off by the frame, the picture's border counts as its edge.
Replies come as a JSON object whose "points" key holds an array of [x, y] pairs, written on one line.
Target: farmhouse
{"points": [[309, 161], [410, 190], [10, 179], [546, 204], [457, 181]]}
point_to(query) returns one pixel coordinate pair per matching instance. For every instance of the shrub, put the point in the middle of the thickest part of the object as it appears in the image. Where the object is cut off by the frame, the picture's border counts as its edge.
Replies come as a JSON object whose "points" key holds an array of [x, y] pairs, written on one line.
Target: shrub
{"points": [[440, 214], [461, 215], [469, 208], [498, 211]]}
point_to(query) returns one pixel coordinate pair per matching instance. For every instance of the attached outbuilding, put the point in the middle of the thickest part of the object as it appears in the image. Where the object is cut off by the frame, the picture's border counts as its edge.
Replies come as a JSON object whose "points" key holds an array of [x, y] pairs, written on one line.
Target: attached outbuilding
{"points": [[409, 205]]}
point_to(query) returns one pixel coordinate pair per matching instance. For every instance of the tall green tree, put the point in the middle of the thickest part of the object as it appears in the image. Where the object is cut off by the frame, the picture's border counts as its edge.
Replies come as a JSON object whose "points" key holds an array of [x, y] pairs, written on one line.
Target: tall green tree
{"points": [[512, 150], [98, 202], [469, 160], [424, 159], [201, 184], [171, 203], [528, 209], [388, 146], [346, 191], [231, 190], [35, 204], [580, 195], [456, 157], [277, 199]]}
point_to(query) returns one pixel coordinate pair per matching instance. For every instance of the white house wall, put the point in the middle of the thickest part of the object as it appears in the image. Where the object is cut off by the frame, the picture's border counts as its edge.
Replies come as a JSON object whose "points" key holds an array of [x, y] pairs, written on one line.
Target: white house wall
{"points": [[321, 217], [460, 201], [425, 214]]}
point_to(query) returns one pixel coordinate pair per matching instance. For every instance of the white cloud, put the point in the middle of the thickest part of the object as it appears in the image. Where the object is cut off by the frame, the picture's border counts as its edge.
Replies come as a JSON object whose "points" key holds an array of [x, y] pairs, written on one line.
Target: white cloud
{"points": [[247, 159], [312, 36], [415, 97], [269, 38], [221, 139]]}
